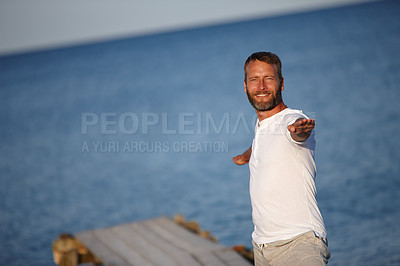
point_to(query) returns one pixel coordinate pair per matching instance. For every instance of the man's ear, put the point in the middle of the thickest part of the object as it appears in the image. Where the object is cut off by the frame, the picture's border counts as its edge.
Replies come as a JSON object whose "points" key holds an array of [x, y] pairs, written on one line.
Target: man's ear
{"points": [[245, 87], [283, 86]]}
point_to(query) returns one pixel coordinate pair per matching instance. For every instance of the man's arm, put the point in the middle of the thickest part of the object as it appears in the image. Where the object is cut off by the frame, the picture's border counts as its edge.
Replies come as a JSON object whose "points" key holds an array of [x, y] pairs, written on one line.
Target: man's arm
{"points": [[242, 158], [301, 129]]}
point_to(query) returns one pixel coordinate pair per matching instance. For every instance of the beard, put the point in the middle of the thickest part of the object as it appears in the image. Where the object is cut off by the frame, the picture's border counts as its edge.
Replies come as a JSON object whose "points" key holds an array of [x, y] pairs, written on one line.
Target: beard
{"points": [[267, 105]]}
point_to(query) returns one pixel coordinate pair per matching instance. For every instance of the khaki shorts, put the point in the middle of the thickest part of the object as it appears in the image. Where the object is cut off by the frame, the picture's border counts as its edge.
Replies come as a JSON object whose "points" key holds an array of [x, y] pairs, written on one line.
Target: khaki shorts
{"points": [[305, 249]]}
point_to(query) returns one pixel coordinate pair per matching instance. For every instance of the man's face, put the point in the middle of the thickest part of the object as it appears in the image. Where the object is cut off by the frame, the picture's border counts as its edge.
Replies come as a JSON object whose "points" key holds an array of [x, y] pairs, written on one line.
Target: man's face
{"points": [[262, 86]]}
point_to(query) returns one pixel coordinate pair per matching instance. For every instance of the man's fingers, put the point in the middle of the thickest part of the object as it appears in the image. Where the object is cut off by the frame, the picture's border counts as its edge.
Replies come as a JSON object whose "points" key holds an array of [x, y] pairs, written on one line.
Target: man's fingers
{"points": [[304, 122], [303, 125]]}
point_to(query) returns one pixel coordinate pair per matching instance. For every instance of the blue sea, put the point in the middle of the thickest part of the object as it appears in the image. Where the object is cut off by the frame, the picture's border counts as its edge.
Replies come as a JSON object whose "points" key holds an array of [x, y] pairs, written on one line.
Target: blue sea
{"points": [[127, 130]]}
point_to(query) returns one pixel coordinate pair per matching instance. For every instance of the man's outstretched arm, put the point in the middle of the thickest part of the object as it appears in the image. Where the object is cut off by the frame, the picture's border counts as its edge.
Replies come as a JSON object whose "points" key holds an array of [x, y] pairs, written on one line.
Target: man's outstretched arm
{"points": [[242, 158], [301, 129]]}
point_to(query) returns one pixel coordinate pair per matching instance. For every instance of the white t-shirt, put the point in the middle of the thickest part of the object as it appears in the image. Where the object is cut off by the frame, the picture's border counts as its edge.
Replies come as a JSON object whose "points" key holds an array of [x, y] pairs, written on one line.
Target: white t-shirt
{"points": [[282, 187]]}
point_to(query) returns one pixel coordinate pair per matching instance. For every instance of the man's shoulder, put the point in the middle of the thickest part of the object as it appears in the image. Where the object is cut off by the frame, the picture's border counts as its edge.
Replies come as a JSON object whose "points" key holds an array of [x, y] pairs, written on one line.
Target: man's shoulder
{"points": [[290, 115], [291, 111]]}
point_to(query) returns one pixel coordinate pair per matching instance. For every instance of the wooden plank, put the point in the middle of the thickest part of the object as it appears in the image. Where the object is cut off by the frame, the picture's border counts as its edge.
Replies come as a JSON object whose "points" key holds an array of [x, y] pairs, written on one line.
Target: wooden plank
{"points": [[120, 247], [107, 256], [172, 236], [183, 233], [181, 257], [186, 240], [152, 253]]}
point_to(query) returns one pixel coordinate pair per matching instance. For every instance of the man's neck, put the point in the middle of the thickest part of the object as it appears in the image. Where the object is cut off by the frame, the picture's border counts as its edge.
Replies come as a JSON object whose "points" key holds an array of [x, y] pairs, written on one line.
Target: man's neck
{"points": [[265, 114]]}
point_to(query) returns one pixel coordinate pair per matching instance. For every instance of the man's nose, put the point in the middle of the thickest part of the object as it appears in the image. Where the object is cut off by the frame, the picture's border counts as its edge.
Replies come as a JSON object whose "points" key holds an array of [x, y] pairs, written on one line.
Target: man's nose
{"points": [[263, 85]]}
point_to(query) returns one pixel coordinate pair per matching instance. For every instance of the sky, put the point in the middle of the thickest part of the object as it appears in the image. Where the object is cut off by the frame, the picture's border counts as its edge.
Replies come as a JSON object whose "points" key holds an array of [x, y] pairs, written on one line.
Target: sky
{"points": [[27, 25]]}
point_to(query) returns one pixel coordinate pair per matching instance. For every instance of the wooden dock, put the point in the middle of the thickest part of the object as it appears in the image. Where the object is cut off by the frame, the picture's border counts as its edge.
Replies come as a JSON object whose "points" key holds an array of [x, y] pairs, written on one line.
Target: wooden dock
{"points": [[159, 241]]}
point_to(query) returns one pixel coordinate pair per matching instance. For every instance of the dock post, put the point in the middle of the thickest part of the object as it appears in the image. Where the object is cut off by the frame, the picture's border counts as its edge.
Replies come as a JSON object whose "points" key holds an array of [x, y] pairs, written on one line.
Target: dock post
{"points": [[68, 251]]}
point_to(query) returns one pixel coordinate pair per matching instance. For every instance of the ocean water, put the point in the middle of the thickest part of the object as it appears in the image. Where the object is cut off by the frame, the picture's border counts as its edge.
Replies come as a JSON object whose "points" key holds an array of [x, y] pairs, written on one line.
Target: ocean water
{"points": [[121, 131]]}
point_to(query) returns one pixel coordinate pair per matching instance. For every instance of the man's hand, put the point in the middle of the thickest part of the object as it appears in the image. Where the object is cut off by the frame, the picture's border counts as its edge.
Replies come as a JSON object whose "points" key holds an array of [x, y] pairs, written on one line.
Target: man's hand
{"points": [[301, 129], [242, 158]]}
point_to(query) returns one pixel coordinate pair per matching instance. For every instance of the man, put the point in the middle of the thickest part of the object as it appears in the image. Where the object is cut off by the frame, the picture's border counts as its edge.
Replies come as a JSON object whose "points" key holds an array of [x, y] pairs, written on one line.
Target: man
{"points": [[288, 226]]}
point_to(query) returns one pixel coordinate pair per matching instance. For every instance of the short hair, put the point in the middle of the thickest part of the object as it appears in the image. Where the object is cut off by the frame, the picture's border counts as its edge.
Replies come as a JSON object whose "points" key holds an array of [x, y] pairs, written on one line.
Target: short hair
{"points": [[266, 57]]}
